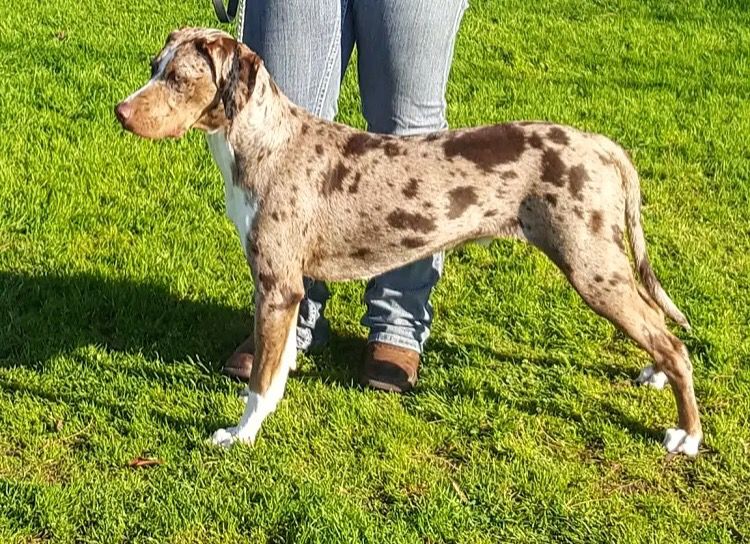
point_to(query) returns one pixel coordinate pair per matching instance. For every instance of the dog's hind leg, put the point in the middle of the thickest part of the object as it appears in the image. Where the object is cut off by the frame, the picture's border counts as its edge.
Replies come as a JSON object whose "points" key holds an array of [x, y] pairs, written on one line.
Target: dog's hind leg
{"points": [[603, 277], [276, 351]]}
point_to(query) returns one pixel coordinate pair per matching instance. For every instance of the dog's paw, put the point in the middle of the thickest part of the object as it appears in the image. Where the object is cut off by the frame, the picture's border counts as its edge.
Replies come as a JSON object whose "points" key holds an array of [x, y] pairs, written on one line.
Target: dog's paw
{"points": [[227, 437], [679, 441], [652, 378]]}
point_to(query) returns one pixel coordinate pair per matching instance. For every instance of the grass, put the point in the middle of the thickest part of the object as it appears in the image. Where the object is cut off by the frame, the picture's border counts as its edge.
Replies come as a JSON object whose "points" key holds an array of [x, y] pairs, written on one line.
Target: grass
{"points": [[123, 288]]}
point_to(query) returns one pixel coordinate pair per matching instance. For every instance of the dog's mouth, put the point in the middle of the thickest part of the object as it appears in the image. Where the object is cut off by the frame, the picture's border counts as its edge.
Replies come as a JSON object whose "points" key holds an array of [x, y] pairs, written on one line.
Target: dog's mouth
{"points": [[125, 115]]}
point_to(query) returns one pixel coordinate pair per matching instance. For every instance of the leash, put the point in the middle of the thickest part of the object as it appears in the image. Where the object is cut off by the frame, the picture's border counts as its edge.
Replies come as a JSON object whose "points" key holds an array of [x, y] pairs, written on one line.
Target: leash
{"points": [[226, 15]]}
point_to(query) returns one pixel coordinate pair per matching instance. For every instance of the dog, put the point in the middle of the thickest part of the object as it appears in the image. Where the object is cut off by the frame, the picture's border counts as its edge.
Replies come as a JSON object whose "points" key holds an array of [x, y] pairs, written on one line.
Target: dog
{"points": [[319, 199]]}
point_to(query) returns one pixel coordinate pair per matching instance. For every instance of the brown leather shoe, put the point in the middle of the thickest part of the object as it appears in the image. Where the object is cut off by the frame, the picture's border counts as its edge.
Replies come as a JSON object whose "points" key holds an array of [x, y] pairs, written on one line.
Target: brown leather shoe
{"points": [[240, 363], [390, 368]]}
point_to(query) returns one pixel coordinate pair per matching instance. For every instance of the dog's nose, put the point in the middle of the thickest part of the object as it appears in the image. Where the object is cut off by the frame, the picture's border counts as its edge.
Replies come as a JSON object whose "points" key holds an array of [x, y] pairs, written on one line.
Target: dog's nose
{"points": [[123, 110]]}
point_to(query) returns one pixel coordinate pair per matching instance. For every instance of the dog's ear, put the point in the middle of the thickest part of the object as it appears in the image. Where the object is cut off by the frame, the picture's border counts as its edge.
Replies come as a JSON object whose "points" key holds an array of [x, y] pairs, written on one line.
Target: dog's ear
{"points": [[234, 67], [240, 81]]}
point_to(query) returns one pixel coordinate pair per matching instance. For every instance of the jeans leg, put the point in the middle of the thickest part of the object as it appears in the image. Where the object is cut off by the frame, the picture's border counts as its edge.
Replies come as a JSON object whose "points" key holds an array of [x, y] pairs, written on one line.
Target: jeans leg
{"points": [[405, 50], [306, 46]]}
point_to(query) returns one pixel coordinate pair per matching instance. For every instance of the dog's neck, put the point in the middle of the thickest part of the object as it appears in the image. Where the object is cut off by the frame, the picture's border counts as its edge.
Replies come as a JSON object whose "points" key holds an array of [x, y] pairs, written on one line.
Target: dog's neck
{"points": [[265, 124]]}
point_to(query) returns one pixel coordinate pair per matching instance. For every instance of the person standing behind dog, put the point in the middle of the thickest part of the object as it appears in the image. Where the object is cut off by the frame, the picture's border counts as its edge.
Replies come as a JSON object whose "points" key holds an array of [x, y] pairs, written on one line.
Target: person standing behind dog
{"points": [[404, 54]]}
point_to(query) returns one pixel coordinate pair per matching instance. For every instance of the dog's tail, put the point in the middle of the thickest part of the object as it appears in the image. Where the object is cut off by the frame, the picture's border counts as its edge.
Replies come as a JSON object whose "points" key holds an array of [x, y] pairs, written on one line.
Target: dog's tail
{"points": [[637, 240]]}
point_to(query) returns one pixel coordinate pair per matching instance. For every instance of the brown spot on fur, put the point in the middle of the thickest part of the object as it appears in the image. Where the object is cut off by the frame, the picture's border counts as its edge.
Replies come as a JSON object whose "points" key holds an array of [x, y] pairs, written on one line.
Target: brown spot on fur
{"points": [[558, 135], [487, 147], [413, 242], [354, 187], [391, 149], [319, 149], [553, 168], [490, 213], [401, 219], [361, 253], [509, 174], [432, 137], [411, 190], [266, 281], [598, 278], [551, 198], [618, 237], [461, 199], [536, 141], [577, 177], [595, 224], [275, 216], [334, 180], [511, 226], [305, 128], [360, 143]]}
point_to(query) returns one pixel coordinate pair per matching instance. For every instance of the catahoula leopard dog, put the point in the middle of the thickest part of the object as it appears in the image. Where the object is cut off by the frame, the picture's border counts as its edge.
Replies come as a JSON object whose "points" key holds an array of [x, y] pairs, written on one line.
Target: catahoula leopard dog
{"points": [[319, 199]]}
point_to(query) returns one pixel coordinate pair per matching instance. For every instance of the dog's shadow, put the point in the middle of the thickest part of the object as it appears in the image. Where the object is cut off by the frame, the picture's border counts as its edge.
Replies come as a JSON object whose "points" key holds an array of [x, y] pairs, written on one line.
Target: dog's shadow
{"points": [[42, 317]]}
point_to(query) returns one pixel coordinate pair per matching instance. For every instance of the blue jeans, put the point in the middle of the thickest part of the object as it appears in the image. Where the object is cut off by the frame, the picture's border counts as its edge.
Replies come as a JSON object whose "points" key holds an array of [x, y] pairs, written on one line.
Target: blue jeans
{"points": [[404, 53]]}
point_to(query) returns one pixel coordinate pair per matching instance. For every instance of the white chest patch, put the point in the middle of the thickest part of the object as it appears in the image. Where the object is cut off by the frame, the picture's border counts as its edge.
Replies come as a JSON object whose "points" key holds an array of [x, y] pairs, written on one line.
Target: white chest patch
{"points": [[241, 203]]}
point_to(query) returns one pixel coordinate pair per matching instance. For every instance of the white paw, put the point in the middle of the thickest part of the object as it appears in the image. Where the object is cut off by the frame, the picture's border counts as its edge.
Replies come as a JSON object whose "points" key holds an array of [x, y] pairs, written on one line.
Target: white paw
{"points": [[226, 437], [652, 378], [679, 441]]}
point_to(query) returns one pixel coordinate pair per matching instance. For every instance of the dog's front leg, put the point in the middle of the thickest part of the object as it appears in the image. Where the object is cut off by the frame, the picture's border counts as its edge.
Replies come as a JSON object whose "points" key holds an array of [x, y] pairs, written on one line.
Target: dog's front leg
{"points": [[276, 307]]}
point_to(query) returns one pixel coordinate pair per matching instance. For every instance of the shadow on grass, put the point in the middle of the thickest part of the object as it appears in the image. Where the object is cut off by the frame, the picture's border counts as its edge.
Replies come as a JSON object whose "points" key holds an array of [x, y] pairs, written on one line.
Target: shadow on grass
{"points": [[44, 316], [534, 405]]}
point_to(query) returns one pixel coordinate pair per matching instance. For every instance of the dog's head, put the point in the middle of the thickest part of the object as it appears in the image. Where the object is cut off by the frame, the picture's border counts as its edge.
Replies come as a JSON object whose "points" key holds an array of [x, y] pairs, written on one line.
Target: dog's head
{"points": [[201, 78]]}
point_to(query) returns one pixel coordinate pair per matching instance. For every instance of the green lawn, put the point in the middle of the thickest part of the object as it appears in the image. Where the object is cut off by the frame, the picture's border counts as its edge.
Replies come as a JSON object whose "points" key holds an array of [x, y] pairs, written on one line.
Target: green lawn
{"points": [[123, 288]]}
